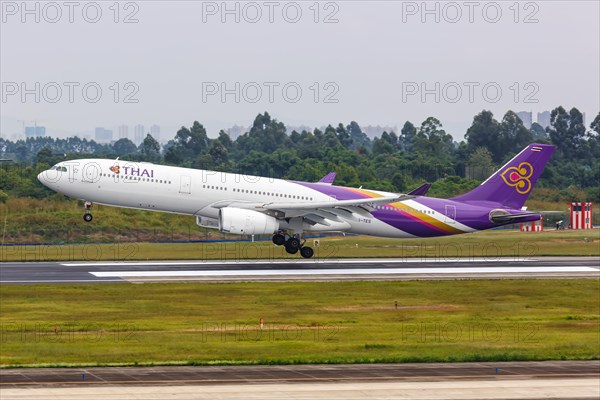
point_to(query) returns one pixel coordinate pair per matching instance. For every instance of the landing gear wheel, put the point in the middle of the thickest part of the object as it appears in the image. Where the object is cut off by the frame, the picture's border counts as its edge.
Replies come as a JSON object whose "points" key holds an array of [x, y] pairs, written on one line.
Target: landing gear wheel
{"points": [[278, 239], [290, 249], [293, 242], [306, 252], [87, 217]]}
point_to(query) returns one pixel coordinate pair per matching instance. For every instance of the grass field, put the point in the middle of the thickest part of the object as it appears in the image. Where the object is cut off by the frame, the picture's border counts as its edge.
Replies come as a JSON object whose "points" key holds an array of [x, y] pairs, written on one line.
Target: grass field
{"points": [[329, 322], [489, 244]]}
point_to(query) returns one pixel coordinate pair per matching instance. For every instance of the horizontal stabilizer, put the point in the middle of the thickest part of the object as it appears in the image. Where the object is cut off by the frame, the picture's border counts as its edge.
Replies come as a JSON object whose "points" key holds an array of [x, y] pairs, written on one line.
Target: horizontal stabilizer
{"points": [[503, 218]]}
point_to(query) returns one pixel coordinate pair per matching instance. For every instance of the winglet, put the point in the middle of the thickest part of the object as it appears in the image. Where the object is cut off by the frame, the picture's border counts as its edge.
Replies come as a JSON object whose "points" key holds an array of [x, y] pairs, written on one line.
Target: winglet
{"points": [[328, 179], [421, 190]]}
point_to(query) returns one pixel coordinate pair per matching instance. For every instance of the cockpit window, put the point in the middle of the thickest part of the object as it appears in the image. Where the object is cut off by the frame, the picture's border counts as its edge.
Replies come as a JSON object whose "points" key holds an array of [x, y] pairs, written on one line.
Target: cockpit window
{"points": [[59, 168]]}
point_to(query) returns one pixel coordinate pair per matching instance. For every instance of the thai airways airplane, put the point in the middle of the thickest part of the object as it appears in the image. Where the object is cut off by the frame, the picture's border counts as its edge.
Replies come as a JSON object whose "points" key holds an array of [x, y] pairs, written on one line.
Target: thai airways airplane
{"points": [[251, 205]]}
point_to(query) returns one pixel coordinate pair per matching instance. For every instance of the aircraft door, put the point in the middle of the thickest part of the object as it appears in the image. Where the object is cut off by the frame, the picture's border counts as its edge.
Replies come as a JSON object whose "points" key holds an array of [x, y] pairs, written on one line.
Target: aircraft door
{"points": [[450, 214], [185, 184]]}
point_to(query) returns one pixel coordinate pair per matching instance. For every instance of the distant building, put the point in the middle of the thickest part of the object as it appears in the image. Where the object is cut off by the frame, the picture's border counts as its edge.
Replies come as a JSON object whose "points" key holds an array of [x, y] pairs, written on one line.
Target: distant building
{"points": [[123, 132], [526, 117], [155, 132], [543, 119], [236, 131], [376, 131], [138, 134], [102, 135], [35, 131]]}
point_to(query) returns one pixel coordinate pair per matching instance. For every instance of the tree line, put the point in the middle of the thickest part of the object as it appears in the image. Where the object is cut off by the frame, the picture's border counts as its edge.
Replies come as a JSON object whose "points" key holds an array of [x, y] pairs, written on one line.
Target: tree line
{"points": [[394, 161]]}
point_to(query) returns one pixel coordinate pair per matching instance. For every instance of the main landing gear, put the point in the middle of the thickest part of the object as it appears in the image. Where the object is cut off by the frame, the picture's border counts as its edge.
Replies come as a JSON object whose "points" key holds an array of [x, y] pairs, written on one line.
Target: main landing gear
{"points": [[293, 245], [87, 206]]}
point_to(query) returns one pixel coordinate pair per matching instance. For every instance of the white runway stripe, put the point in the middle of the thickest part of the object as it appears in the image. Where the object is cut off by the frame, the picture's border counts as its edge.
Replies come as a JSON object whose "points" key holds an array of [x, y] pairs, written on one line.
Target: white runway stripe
{"points": [[288, 262], [357, 271]]}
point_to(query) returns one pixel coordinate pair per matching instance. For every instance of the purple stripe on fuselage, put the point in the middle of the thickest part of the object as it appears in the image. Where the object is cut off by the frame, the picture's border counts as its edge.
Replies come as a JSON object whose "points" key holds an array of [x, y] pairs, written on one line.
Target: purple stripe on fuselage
{"points": [[476, 217], [398, 219], [408, 223]]}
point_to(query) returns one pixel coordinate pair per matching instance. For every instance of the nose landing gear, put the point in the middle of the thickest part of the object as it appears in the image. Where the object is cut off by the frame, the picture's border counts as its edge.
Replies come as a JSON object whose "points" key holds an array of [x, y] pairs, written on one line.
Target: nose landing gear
{"points": [[87, 206], [293, 244]]}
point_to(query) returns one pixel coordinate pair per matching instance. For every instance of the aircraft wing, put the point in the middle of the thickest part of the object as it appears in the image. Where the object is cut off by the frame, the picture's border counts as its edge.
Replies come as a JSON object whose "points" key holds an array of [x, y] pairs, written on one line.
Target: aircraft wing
{"points": [[282, 206], [316, 211]]}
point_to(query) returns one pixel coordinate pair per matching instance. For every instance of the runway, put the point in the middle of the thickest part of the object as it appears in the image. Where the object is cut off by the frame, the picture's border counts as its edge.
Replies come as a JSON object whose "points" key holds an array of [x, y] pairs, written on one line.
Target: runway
{"points": [[297, 270], [211, 375], [499, 380]]}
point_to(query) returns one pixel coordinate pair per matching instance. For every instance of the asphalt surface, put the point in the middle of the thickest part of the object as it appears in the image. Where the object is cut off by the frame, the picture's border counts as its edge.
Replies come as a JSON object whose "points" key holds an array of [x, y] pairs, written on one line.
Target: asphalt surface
{"points": [[290, 270], [213, 375]]}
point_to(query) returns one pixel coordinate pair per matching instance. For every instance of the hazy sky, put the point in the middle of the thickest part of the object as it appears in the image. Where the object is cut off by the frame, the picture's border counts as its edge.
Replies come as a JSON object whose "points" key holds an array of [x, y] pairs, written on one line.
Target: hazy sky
{"points": [[369, 63]]}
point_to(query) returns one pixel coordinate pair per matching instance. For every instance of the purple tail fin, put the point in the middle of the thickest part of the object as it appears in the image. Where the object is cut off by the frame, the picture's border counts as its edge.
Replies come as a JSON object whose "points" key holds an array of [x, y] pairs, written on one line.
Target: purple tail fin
{"points": [[511, 185]]}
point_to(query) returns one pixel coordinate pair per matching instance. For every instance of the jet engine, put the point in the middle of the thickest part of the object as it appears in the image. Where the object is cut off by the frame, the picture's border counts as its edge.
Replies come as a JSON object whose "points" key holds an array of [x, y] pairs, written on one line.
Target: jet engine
{"points": [[246, 222]]}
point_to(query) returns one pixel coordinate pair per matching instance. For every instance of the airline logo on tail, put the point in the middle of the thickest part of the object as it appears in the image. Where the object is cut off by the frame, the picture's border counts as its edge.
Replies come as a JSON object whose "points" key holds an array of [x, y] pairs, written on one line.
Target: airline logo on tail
{"points": [[518, 177]]}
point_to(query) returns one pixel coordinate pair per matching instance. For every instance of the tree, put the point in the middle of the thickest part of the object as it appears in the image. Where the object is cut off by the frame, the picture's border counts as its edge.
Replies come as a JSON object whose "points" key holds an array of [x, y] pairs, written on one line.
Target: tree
{"points": [[382, 146], [538, 132], [567, 132], [225, 140], [594, 139], [432, 140], [198, 140], [150, 148], [595, 125], [513, 135], [218, 152], [484, 132], [266, 135], [399, 182], [188, 144], [391, 138], [359, 138], [124, 146], [407, 136], [480, 164], [44, 156], [343, 136]]}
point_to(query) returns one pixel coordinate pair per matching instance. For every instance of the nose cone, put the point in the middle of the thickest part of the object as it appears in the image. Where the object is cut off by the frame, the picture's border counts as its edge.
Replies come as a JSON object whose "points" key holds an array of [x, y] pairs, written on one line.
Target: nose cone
{"points": [[44, 179]]}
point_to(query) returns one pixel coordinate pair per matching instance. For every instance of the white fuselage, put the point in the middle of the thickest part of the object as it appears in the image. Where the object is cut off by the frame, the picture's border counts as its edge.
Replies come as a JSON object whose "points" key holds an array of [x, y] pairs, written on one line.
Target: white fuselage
{"points": [[147, 186]]}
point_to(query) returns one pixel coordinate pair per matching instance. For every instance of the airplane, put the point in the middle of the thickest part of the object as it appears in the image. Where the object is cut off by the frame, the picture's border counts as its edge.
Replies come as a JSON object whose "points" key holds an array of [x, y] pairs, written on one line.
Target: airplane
{"points": [[253, 205]]}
